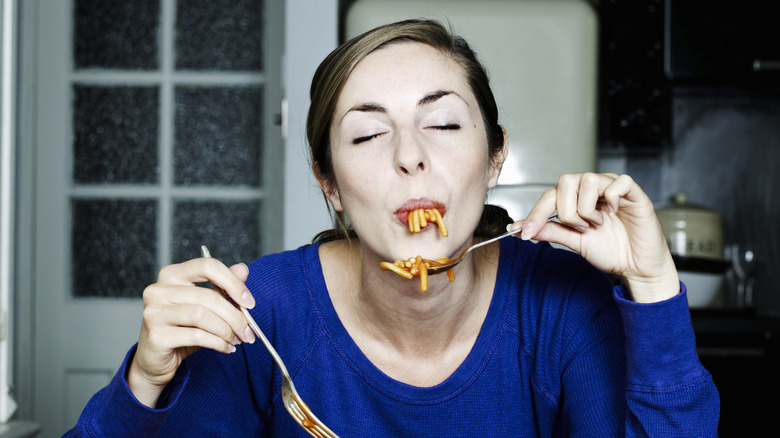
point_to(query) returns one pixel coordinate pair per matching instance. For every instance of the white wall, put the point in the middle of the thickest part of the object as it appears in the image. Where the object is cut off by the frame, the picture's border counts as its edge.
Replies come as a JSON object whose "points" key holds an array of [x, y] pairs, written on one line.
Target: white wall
{"points": [[311, 32]]}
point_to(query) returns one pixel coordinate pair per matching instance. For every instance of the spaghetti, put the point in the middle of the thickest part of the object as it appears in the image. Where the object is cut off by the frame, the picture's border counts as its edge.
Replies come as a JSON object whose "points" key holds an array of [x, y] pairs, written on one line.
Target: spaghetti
{"points": [[417, 267], [418, 219]]}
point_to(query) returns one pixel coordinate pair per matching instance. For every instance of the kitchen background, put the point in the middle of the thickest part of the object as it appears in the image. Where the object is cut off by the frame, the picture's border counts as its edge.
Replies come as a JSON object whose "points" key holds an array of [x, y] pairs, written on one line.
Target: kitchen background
{"points": [[688, 100]]}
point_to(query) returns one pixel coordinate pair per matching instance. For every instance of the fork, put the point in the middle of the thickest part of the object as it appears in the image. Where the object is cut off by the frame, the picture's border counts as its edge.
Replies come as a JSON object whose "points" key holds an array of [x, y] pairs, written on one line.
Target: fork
{"points": [[292, 401], [438, 269]]}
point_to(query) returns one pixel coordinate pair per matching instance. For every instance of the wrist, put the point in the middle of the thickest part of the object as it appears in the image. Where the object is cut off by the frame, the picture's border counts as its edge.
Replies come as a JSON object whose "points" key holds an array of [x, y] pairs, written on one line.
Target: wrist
{"points": [[653, 290], [142, 389]]}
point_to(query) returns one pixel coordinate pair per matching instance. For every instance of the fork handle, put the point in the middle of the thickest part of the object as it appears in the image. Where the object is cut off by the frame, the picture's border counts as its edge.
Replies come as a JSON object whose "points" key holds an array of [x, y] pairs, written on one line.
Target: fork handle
{"points": [[493, 239], [265, 341], [251, 321], [507, 234]]}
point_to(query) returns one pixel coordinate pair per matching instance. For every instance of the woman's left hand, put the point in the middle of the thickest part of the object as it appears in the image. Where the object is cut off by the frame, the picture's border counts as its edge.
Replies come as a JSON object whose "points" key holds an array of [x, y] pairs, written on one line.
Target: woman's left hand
{"points": [[611, 222]]}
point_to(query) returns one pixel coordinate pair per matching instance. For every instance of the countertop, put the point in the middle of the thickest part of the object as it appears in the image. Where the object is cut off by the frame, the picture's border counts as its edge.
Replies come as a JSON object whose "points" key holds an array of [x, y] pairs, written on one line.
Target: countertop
{"points": [[723, 321], [19, 429]]}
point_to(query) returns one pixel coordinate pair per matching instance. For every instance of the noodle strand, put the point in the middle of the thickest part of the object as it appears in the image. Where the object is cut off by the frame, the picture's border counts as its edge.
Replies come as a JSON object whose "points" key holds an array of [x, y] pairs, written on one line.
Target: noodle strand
{"points": [[418, 266]]}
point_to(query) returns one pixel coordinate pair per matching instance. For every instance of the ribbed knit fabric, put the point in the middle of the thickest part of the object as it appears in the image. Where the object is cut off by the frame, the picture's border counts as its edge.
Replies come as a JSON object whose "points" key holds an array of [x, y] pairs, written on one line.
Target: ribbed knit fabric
{"points": [[561, 353]]}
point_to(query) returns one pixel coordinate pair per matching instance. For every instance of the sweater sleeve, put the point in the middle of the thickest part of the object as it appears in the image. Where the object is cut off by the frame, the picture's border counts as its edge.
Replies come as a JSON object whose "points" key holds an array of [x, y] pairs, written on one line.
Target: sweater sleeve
{"points": [[668, 391], [210, 395], [115, 412]]}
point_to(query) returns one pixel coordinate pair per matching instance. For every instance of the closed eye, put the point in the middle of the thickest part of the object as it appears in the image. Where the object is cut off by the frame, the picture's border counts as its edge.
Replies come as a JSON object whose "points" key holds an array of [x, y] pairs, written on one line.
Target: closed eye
{"points": [[365, 138], [447, 127]]}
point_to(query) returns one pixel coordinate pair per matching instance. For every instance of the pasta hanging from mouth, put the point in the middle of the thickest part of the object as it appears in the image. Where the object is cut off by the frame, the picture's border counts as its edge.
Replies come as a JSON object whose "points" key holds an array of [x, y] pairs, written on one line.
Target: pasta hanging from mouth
{"points": [[418, 266], [418, 219]]}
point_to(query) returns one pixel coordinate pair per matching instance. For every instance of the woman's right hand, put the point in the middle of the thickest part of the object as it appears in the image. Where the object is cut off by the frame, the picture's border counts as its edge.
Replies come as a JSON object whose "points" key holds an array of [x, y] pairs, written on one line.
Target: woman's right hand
{"points": [[180, 317]]}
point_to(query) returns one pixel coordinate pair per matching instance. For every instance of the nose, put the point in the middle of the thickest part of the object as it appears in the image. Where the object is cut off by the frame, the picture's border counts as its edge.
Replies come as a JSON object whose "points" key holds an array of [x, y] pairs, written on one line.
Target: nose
{"points": [[410, 156]]}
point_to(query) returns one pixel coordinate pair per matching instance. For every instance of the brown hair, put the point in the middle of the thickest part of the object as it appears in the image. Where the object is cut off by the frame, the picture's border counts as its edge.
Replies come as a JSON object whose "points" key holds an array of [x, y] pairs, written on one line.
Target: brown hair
{"points": [[332, 74]]}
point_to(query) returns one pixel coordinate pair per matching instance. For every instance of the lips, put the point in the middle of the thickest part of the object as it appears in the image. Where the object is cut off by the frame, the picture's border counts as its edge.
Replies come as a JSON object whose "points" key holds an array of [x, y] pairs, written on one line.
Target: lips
{"points": [[402, 212]]}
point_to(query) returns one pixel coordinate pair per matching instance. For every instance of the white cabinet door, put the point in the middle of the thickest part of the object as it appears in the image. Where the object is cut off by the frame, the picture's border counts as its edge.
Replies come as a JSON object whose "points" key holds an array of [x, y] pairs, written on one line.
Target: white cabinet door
{"points": [[154, 133], [78, 344]]}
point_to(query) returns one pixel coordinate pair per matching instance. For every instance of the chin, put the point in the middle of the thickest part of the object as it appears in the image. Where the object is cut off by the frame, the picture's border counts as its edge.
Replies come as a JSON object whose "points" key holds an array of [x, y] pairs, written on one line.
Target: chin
{"points": [[428, 249]]}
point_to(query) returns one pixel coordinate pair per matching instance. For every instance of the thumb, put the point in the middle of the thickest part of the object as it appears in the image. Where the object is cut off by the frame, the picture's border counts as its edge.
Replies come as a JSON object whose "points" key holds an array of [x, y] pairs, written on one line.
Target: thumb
{"points": [[552, 232], [240, 270]]}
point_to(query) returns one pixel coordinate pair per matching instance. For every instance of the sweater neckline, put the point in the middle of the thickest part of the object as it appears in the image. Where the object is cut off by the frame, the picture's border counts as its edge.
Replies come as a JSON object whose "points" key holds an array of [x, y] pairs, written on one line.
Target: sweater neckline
{"points": [[460, 380]]}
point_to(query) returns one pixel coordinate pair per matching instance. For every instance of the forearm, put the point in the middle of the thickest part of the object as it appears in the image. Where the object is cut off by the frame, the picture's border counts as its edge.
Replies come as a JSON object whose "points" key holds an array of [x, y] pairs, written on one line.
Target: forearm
{"points": [[669, 393], [115, 411]]}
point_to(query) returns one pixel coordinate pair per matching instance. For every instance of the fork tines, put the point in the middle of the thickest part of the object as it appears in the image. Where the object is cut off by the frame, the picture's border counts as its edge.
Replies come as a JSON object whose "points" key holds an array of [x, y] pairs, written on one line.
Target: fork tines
{"points": [[309, 424]]}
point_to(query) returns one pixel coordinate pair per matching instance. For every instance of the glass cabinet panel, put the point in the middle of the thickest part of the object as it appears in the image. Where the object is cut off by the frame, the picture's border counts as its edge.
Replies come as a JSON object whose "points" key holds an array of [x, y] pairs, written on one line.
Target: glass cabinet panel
{"points": [[230, 229], [115, 134], [168, 118], [218, 136], [219, 35], [114, 246], [116, 34]]}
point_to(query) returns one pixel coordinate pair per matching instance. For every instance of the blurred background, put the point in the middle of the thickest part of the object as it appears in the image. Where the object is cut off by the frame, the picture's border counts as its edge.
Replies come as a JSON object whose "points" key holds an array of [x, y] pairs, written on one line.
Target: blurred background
{"points": [[133, 132]]}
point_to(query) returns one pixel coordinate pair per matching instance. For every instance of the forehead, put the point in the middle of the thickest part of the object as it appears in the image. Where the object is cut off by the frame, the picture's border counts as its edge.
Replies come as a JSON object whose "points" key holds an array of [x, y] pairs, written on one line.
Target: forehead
{"points": [[404, 69]]}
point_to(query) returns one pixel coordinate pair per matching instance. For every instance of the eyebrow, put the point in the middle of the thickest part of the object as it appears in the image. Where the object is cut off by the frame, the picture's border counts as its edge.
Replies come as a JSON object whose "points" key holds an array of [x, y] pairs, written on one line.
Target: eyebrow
{"points": [[369, 107], [434, 96]]}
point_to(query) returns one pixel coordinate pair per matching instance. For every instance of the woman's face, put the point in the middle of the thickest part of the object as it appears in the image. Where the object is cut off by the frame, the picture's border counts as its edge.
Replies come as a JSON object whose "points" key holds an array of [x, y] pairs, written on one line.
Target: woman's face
{"points": [[407, 133]]}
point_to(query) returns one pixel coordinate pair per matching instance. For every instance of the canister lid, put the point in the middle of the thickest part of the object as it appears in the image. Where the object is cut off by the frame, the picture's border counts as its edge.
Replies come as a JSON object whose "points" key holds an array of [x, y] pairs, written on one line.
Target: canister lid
{"points": [[680, 208]]}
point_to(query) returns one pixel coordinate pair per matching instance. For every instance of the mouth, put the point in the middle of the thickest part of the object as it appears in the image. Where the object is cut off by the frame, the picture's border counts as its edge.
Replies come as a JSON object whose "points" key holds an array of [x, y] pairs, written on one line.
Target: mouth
{"points": [[402, 213]]}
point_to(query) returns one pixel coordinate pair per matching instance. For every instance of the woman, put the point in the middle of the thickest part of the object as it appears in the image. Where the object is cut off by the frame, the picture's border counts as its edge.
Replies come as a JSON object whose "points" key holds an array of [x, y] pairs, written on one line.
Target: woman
{"points": [[527, 340]]}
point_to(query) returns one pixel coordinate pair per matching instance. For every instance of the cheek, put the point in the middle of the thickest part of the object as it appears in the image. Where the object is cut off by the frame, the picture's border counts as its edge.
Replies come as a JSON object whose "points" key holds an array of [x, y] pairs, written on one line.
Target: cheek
{"points": [[470, 167], [355, 182], [343, 174]]}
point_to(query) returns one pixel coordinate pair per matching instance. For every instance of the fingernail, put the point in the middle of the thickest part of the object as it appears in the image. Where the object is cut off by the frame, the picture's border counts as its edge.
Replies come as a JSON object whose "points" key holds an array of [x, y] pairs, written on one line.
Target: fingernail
{"points": [[247, 300], [599, 219], [232, 349], [580, 229], [528, 231], [249, 335], [236, 341]]}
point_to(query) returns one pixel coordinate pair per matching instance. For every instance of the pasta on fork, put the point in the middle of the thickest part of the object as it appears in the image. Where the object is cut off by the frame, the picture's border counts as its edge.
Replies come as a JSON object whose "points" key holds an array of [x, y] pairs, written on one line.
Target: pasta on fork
{"points": [[418, 266]]}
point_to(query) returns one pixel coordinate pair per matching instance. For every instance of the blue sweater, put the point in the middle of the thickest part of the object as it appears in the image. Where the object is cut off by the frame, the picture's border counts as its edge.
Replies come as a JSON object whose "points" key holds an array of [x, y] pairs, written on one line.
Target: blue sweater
{"points": [[561, 353]]}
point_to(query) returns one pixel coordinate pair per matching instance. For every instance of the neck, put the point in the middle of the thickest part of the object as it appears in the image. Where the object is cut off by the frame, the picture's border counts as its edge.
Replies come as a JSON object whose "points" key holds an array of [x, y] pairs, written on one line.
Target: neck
{"points": [[380, 307]]}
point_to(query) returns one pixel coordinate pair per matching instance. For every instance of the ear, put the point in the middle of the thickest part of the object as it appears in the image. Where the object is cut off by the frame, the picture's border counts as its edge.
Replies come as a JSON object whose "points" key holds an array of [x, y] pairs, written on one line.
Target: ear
{"points": [[498, 162], [328, 189]]}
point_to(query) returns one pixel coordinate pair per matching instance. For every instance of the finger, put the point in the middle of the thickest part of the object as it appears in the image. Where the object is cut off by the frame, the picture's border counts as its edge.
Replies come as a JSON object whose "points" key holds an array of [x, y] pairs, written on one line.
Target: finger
{"points": [[175, 337], [208, 269], [591, 190], [554, 232], [622, 187], [516, 226], [241, 271], [568, 194], [246, 334], [203, 318], [539, 214], [183, 299], [225, 279]]}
